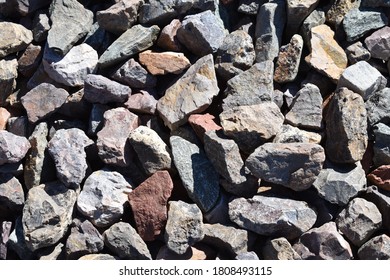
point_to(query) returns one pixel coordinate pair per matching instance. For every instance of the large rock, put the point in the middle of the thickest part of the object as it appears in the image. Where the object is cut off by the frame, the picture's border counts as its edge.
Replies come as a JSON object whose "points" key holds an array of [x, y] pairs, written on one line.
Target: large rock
{"points": [[377, 248], [47, 214], [381, 145], [8, 75], [297, 11], [14, 38], [162, 63], [192, 93], [11, 195], [380, 177], [381, 199], [279, 249], [293, 165], [377, 107], [377, 43], [272, 216], [13, 148]]}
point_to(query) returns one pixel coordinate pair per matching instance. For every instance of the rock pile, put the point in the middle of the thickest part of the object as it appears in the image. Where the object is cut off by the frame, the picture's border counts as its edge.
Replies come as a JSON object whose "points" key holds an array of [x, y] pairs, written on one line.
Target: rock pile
{"points": [[198, 129]]}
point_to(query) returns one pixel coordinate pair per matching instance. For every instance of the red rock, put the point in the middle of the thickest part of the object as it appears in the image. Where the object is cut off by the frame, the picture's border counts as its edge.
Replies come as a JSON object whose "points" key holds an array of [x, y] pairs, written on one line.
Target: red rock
{"points": [[168, 39], [149, 204], [381, 177], [141, 102], [4, 116], [164, 63], [201, 123]]}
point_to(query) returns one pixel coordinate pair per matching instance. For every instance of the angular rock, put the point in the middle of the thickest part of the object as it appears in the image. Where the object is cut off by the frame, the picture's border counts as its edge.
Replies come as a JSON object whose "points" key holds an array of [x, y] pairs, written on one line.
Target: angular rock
{"points": [[14, 38], [357, 52], [40, 77], [25, 7], [96, 119], [377, 107], [359, 221], [381, 199], [123, 240], [4, 116], [192, 93], [339, 9], [297, 11], [11, 195], [293, 165], [102, 197], [47, 214], [272, 216], [376, 248], [184, 226], [149, 204], [377, 43], [202, 123], [247, 256], [317, 17], [13, 148], [131, 42], [142, 102], [97, 257], [162, 63], [41, 23], [29, 61], [112, 139], [8, 75], [42, 101], [357, 23], [380, 177], [279, 249], [219, 214], [250, 7], [99, 89], [51, 253], [168, 37], [196, 172], [363, 79], [200, 252], [18, 125], [323, 243], [76, 105], [346, 127], [290, 134], [70, 22], [381, 145]]}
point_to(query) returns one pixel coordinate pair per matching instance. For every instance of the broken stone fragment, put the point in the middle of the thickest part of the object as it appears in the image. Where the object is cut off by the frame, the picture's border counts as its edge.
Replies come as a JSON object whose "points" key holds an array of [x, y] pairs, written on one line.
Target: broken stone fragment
{"points": [[13, 148], [164, 63], [14, 38]]}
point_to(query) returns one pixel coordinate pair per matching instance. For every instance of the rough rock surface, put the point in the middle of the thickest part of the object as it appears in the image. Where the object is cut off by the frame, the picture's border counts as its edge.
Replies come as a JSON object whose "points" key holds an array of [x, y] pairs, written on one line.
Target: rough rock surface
{"points": [[291, 134], [8, 75], [15, 37], [376, 248], [377, 109], [380, 177], [164, 63], [381, 145], [377, 43], [279, 249], [13, 148], [11, 195]]}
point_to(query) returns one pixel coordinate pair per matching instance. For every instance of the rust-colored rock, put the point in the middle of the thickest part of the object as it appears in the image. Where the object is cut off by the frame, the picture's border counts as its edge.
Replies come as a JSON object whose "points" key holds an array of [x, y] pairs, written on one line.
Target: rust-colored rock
{"points": [[4, 116], [201, 123], [381, 177], [164, 63]]}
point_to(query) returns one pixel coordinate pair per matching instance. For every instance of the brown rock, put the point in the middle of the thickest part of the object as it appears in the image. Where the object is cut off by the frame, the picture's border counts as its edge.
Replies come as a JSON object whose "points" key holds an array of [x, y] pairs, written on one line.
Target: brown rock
{"points": [[201, 123], [164, 63], [168, 39], [29, 61], [381, 177], [339, 9], [4, 116], [149, 204], [14, 38], [141, 102]]}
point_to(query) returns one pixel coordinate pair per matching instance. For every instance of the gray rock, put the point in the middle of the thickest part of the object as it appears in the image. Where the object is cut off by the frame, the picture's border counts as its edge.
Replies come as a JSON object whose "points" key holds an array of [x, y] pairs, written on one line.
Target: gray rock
{"points": [[8, 75], [247, 256], [41, 26], [98, 257], [131, 42], [99, 89], [184, 226], [18, 125], [323, 243], [357, 23], [13, 148], [103, 197], [196, 172], [357, 52], [16, 241], [346, 127], [377, 43], [339, 184], [67, 30], [47, 214], [142, 102], [123, 240], [279, 249], [375, 3], [359, 221], [250, 7], [381, 199], [272, 216], [25, 7], [96, 119], [293, 165], [290, 134], [381, 145], [317, 17], [297, 11], [11, 195], [377, 107], [15, 37], [377, 248]]}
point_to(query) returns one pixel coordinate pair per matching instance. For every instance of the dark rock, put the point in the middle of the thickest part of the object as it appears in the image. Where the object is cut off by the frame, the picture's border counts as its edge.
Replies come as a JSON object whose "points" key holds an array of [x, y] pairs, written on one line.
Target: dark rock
{"points": [[357, 52], [29, 61], [381, 145], [381, 177], [25, 7], [18, 125], [13, 148], [168, 37], [8, 75], [11, 195], [41, 27], [377, 107], [96, 119], [376, 248]]}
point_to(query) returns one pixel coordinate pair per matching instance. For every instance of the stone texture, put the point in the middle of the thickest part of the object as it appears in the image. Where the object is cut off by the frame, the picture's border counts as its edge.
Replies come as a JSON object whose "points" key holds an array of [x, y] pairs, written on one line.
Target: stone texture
{"points": [[381, 199], [42, 101], [377, 43], [167, 39], [197, 174], [199, 251], [149, 204], [381, 145], [4, 116], [112, 139], [25, 7], [13, 148], [67, 30], [346, 127], [323, 243], [131, 42], [98, 257], [47, 214], [14, 38], [123, 240], [8, 75], [339, 9], [41, 23], [380, 177], [247, 256], [102, 197], [376, 248], [29, 61], [202, 123], [96, 119], [11, 195], [18, 125], [162, 63], [249, 7], [219, 214], [142, 102], [290, 134], [184, 226], [293, 165], [317, 17], [272, 216], [279, 249], [377, 107], [357, 52], [297, 11], [192, 93]]}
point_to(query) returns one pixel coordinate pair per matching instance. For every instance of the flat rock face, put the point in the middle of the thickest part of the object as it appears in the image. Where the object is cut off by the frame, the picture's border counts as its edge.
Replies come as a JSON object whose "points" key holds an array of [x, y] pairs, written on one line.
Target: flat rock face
{"points": [[381, 177], [381, 145], [201, 123], [14, 38], [164, 63], [13, 148], [272, 216], [142, 102], [8, 75], [376, 105], [376, 248], [290, 134], [11, 195], [377, 43]]}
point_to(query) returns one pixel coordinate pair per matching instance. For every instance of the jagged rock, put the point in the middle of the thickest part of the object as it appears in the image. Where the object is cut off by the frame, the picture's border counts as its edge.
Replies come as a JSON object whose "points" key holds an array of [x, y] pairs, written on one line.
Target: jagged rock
{"points": [[219, 214], [279, 249], [45, 226], [317, 17], [14, 38], [192, 93], [123, 240], [162, 63], [25, 7], [381, 145], [376, 248], [184, 226], [377, 43], [381, 199], [199, 251], [297, 11], [346, 127], [8, 75], [247, 256], [102, 197], [339, 9], [380, 177], [141, 102], [4, 116], [40, 77], [18, 125], [96, 119], [41, 26], [168, 37], [272, 216], [290, 134], [13, 148], [11, 195], [51, 253], [357, 52], [202, 123], [377, 107], [293, 165], [29, 61], [250, 7], [98, 257]]}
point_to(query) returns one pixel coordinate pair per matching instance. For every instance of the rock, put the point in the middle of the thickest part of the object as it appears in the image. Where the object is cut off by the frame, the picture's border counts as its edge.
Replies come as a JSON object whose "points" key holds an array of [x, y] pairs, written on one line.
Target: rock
{"points": [[377, 109], [363, 79], [200, 252], [67, 148], [11, 195], [142, 102], [8, 75], [123, 240], [192, 93], [287, 65], [16, 241], [40, 77], [202, 33], [377, 43], [96, 119], [270, 22], [381, 199], [323, 243], [136, 39], [279, 249], [357, 52], [381, 177], [84, 239], [72, 69], [51, 253], [290, 134], [164, 62], [357, 23], [381, 145], [168, 37], [41, 23], [376, 248], [67, 30], [272, 216], [112, 139], [250, 7], [18, 125], [149, 204], [346, 127], [102, 197], [297, 11], [184, 226], [359, 221], [120, 16], [15, 37], [306, 109], [99, 89], [45, 226], [13, 148], [316, 18], [247, 256], [339, 9], [42, 101], [202, 123], [25, 7], [29, 61], [339, 184], [375, 3], [219, 214], [252, 125], [4, 116], [197, 174], [97, 257], [326, 56], [76, 105]]}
